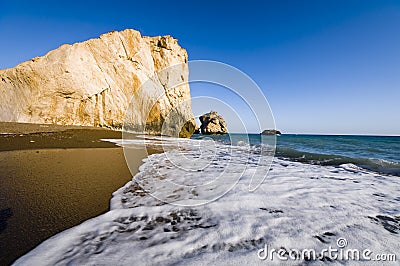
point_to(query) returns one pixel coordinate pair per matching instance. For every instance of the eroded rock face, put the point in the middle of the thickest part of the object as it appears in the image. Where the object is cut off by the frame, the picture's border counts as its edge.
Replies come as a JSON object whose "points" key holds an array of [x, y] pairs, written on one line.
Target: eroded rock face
{"points": [[92, 83], [213, 123]]}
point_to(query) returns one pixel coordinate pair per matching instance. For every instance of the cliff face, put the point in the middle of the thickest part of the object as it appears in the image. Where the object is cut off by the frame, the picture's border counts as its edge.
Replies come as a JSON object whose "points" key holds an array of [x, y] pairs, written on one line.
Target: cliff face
{"points": [[92, 83]]}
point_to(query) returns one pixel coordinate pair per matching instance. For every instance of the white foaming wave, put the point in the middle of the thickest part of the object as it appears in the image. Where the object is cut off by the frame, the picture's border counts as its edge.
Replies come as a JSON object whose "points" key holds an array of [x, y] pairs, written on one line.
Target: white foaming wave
{"points": [[170, 143], [153, 141], [199, 173], [298, 206], [140, 143], [352, 167]]}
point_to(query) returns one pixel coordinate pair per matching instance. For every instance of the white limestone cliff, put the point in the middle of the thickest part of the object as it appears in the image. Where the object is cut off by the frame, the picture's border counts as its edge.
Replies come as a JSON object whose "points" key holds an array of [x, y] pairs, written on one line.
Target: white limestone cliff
{"points": [[95, 82]]}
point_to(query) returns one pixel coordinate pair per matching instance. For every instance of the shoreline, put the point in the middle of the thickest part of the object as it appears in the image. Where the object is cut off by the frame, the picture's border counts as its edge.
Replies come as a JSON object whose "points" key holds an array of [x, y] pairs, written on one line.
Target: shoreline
{"points": [[54, 179], [140, 229], [289, 183]]}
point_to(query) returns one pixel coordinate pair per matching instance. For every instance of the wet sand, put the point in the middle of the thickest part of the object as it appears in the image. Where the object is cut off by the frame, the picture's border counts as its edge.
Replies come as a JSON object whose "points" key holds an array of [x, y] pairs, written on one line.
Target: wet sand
{"points": [[53, 178]]}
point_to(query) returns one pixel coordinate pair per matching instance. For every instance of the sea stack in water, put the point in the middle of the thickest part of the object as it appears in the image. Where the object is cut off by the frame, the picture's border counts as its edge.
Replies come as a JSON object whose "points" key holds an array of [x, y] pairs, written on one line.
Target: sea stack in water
{"points": [[271, 132], [213, 123], [93, 83]]}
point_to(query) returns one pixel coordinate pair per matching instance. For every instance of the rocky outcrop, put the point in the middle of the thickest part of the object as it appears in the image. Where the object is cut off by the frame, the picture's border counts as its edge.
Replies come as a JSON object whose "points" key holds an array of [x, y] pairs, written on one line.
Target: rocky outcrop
{"points": [[271, 132], [213, 123], [94, 83]]}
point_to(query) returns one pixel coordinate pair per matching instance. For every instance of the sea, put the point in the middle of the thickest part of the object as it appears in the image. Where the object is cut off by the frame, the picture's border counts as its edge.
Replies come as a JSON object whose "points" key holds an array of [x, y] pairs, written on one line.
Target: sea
{"points": [[241, 199]]}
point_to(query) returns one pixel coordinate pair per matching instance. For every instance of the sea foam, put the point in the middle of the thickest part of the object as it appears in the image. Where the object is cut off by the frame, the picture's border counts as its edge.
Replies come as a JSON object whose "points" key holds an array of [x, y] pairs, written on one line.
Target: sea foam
{"points": [[298, 206]]}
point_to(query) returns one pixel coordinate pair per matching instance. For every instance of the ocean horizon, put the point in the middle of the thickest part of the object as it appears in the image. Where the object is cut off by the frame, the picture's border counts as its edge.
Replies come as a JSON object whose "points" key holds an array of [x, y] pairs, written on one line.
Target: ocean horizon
{"points": [[372, 152]]}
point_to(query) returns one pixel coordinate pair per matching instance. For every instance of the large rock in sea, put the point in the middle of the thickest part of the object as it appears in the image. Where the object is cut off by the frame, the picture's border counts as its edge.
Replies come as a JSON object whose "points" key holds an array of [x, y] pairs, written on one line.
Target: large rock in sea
{"points": [[271, 132], [213, 123], [94, 83]]}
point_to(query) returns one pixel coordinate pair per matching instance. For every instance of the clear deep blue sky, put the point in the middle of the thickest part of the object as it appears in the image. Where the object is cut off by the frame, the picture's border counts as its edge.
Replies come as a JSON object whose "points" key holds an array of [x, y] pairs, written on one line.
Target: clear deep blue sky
{"points": [[329, 67]]}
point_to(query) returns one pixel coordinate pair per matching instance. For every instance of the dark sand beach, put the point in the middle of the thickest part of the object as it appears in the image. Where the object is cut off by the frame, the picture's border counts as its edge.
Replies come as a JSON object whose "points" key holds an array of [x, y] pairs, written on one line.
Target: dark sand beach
{"points": [[53, 178]]}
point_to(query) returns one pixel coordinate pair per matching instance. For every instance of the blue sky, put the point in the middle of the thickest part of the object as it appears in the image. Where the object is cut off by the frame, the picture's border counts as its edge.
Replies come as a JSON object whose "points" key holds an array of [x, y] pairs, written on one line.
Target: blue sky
{"points": [[330, 67]]}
